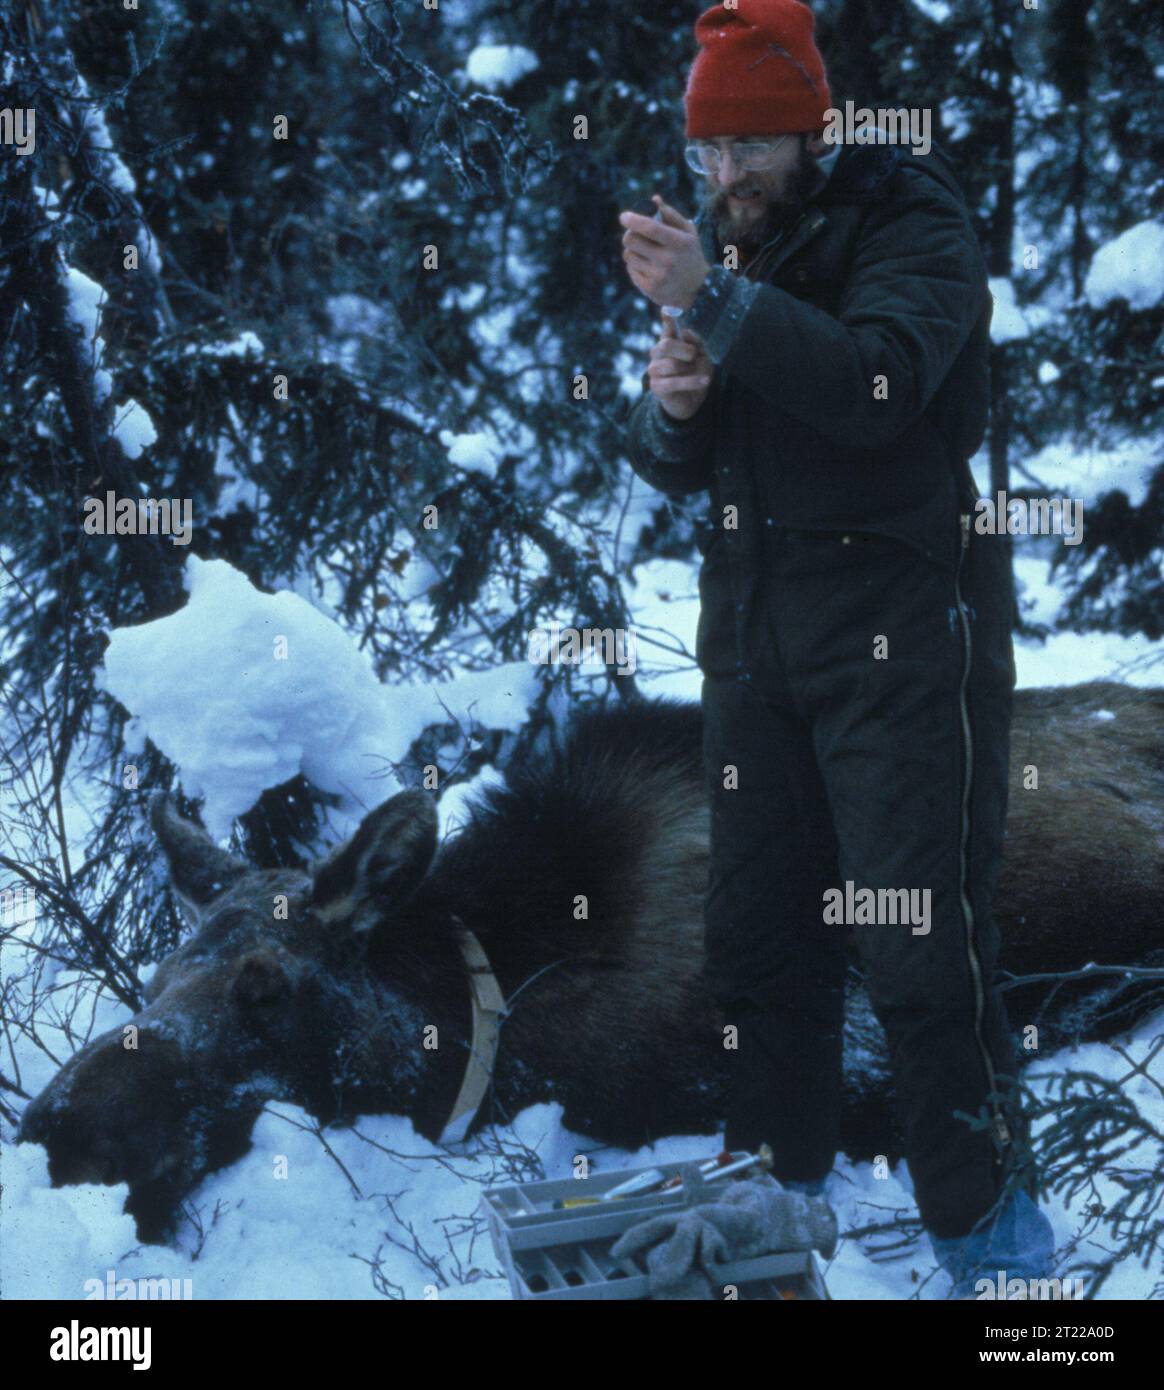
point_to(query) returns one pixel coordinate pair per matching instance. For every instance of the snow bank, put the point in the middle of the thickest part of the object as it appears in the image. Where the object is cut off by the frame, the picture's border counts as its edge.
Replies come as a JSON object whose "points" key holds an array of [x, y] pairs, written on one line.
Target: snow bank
{"points": [[55, 1239], [315, 1233], [1131, 267], [243, 690]]}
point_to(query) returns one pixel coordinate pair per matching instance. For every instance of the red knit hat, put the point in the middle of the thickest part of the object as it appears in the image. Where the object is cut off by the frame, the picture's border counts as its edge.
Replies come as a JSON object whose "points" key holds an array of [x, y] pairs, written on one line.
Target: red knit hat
{"points": [[757, 72]]}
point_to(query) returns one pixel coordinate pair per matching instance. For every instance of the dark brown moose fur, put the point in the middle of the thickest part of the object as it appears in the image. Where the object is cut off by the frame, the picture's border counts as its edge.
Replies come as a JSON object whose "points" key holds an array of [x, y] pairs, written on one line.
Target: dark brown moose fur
{"points": [[327, 1007]]}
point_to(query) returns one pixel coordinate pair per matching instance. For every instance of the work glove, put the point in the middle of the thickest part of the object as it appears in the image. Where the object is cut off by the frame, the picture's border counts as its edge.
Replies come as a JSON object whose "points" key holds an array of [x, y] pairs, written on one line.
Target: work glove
{"points": [[751, 1217]]}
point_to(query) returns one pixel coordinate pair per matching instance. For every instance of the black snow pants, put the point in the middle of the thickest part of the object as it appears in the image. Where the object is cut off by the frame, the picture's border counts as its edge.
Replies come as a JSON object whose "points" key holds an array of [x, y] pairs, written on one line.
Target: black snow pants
{"points": [[856, 715]]}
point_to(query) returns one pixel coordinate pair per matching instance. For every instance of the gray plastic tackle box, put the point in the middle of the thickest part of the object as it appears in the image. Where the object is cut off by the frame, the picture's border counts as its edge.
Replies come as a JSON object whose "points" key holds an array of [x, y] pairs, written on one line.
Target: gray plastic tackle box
{"points": [[553, 1253]]}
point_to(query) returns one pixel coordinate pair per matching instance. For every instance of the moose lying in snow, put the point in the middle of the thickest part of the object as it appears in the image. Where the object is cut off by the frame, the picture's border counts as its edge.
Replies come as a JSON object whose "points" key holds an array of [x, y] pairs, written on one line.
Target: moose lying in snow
{"points": [[328, 1006]]}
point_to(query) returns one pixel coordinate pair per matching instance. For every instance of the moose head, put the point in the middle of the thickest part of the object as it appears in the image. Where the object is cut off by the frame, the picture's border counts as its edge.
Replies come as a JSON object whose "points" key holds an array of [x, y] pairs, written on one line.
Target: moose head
{"points": [[273, 996]]}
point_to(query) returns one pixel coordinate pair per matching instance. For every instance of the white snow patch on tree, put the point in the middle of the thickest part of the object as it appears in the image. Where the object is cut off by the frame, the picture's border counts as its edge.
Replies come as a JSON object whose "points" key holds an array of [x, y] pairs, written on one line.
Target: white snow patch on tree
{"points": [[417, 578], [1007, 323], [1131, 267], [134, 430], [243, 690], [243, 346], [497, 66], [115, 169], [956, 118], [85, 298], [476, 452], [355, 313]]}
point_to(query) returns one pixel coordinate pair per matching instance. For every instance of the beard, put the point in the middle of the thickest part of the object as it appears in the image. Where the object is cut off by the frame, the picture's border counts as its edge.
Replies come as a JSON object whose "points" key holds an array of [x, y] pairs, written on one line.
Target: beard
{"points": [[780, 211]]}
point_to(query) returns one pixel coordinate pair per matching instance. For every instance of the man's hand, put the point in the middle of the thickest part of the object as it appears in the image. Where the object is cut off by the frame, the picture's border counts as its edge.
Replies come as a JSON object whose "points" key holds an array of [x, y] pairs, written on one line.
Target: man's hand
{"points": [[680, 371], [664, 259]]}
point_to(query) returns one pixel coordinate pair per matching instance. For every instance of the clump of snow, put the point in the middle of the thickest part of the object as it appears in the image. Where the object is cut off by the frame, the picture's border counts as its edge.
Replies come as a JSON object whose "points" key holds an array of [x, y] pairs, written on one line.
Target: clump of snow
{"points": [[1007, 323], [118, 175], [955, 118], [243, 690], [134, 430], [354, 319], [1131, 267], [85, 298], [355, 313], [62, 1236], [476, 452], [497, 66], [629, 366], [417, 577], [466, 299], [247, 344], [48, 200]]}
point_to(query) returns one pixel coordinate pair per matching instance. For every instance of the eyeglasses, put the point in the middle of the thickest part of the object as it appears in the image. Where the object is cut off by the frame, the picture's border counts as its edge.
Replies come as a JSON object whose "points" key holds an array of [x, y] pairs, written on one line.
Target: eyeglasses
{"points": [[748, 155]]}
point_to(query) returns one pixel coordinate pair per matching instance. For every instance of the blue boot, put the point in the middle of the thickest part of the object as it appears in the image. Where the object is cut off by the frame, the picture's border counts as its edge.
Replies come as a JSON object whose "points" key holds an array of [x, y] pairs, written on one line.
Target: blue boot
{"points": [[813, 1188], [1017, 1240]]}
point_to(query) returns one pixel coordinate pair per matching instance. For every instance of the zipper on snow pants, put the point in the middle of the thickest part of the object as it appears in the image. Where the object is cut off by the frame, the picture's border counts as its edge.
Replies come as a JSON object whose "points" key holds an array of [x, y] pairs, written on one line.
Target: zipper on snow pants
{"points": [[1001, 1131]]}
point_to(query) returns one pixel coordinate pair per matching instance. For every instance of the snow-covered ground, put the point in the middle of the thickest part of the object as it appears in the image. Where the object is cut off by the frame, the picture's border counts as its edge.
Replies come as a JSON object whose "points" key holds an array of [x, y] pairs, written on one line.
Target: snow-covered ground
{"points": [[385, 1203], [241, 690]]}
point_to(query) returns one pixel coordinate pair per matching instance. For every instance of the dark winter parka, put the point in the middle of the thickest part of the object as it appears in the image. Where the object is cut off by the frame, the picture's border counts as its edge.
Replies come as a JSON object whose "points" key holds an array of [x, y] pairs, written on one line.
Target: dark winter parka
{"points": [[848, 400]]}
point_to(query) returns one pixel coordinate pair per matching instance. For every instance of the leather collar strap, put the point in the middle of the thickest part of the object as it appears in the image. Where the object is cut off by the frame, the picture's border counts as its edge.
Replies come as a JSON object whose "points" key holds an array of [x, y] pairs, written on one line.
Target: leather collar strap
{"points": [[488, 1011]]}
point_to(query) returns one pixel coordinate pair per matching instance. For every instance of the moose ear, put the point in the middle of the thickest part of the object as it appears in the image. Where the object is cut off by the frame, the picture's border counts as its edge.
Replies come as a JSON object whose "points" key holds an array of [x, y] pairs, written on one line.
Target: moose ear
{"points": [[381, 865], [199, 870]]}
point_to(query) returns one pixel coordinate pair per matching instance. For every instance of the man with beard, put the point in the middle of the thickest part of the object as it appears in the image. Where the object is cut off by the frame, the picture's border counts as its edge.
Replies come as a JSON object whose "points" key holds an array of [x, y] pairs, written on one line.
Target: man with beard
{"points": [[826, 384], [754, 204]]}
